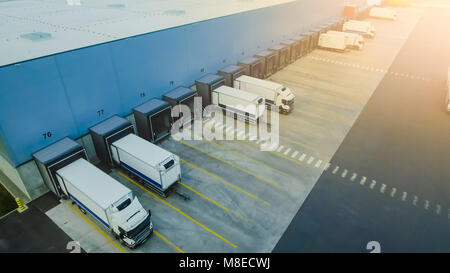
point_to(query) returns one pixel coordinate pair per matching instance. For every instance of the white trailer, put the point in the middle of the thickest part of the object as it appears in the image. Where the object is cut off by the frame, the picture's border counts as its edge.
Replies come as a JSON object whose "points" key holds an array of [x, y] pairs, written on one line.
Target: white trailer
{"points": [[159, 168], [383, 13], [366, 29], [332, 42], [352, 40], [244, 105], [110, 202], [274, 94]]}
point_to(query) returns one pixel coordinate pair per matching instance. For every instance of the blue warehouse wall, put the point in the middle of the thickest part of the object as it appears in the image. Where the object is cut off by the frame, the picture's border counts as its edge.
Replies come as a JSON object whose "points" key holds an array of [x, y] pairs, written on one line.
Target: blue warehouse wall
{"points": [[46, 99]]}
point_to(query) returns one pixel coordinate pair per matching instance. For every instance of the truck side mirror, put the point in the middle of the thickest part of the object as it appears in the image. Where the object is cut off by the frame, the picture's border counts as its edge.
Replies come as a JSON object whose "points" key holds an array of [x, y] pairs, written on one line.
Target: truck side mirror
{"points": [[149, 213]]}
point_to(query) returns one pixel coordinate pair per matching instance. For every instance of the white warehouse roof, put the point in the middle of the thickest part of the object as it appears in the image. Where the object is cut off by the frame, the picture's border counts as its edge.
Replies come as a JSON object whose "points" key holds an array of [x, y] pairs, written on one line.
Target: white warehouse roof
{"points": [[34, 28]]}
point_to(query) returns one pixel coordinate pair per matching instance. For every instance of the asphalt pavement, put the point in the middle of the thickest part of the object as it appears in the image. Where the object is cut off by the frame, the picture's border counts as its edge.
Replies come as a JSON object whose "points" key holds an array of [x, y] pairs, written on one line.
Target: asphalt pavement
{"points": [[397, 155]]}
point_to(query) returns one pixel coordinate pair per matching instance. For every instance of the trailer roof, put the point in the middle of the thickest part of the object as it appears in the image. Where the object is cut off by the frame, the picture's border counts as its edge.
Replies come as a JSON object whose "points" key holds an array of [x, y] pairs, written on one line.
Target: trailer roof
{"points": [[31, 29], [94, 183], [142, 149], [256, 81], [244, 95]]}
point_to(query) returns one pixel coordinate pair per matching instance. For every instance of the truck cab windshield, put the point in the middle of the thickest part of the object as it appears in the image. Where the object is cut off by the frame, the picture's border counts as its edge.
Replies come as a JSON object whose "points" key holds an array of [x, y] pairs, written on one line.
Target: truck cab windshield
{"points": [[124, 204]]}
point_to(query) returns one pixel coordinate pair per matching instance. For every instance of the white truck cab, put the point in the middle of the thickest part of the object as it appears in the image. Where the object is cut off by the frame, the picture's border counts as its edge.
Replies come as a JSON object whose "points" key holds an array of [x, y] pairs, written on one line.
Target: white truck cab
{"points": [[273, 93]]}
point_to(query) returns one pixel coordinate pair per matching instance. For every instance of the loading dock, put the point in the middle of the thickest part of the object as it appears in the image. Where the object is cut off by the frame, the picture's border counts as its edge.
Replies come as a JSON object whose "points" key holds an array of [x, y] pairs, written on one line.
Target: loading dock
{"points": [[282, 56], [229, 73], [181, 96], [206, 84], [253, 67], [269, 62], [292, 46], [105, 133], [153, 120]]}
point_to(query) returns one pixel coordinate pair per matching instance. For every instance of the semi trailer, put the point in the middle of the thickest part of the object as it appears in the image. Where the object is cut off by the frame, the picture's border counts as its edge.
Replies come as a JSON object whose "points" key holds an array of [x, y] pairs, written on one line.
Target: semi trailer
{"points": [[157, 168], [383, 13], [110, 202], [366, 29], [274, 94], [352, 40], [239, 104], [332, 42]]}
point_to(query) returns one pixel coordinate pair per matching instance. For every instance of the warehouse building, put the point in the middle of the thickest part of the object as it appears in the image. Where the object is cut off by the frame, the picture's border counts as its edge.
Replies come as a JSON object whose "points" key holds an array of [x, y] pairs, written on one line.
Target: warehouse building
{"points": [[66, 66]]}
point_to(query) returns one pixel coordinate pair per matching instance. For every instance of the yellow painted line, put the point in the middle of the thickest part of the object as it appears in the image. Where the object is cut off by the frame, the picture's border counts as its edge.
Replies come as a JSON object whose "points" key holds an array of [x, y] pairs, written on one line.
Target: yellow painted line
{"points": [[204, 196], [225, 182], [233, 165], [167, 241], [94, 226], [177, 210]]}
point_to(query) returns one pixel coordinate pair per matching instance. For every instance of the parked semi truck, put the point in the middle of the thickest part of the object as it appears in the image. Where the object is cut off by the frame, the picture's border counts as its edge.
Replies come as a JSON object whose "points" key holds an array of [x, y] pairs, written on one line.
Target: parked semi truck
{"points": [[110, 202], [117, 145], [383, 13], [332, 42], [366, 29], [274, 94], [159, 168], [241, 104], [352, 40]]}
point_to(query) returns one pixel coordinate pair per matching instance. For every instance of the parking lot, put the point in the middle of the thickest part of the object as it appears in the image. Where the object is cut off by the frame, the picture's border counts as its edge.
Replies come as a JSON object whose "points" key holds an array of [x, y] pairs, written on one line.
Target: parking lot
{"points": [[242, 199]]}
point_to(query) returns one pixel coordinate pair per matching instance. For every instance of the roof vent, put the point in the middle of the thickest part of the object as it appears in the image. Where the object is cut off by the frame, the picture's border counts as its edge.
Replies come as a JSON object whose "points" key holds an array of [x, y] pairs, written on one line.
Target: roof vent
{"points": [[175, 12], [36, 36]]}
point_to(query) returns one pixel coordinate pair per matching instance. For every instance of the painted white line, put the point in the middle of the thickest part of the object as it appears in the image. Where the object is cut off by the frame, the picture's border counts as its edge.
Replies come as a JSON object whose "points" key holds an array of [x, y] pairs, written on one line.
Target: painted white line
{"points": [[280, 148], [335, 169], [310, 160], [354, 175], [404, 195], [288, 150], [415, 200], [448, 214], [240, 133], [393, 191], [383, 188], [427, 204], [302, 157], [252, 137], [372, 185], [294, 154], [344, 173], [363, 180], [259, 141], [326, 166], [318, 163], [438, 209]]}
